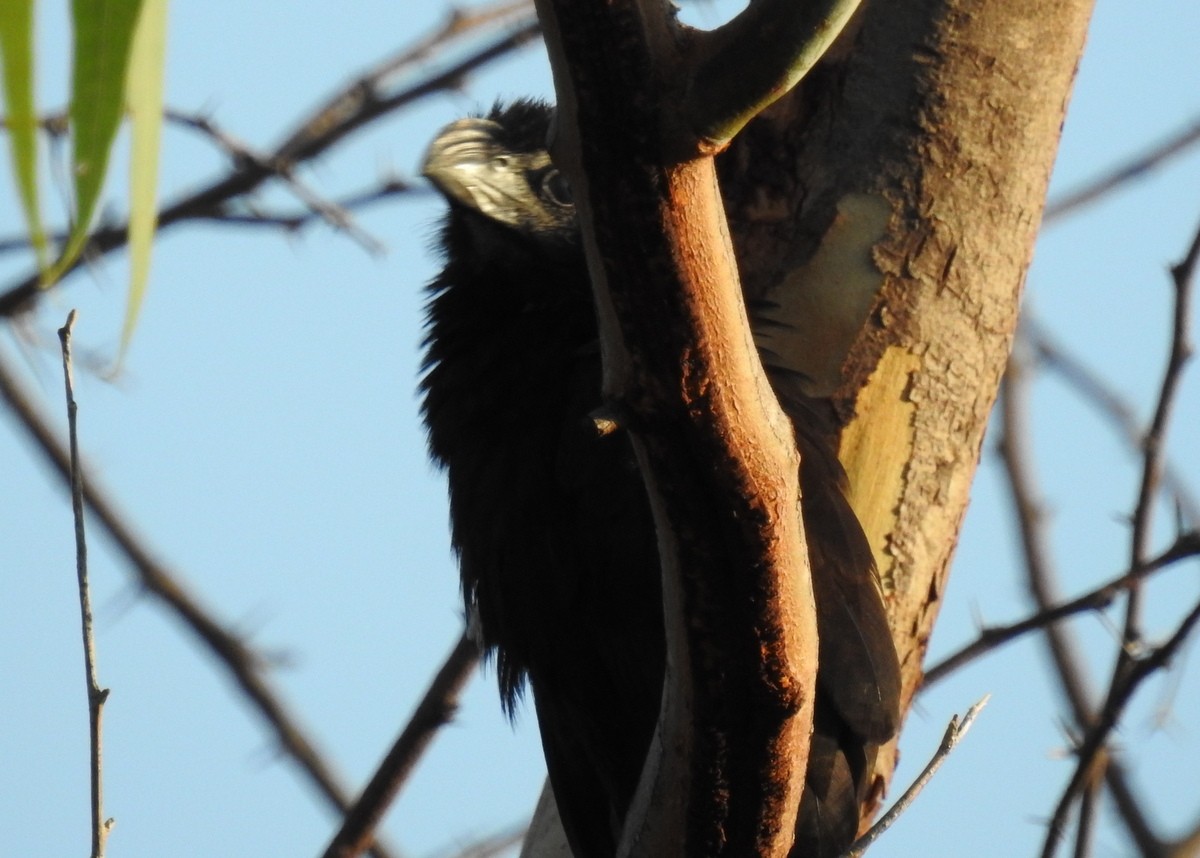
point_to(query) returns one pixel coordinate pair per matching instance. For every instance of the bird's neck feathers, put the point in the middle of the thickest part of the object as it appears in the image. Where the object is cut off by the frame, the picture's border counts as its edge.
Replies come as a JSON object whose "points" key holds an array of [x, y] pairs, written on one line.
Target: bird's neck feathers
{"points": [[506, 333]]}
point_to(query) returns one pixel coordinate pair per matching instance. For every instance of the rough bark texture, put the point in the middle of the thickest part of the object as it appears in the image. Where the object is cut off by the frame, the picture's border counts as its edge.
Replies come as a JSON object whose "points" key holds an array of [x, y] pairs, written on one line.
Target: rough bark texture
{"points": [[727, 766], [898, 193]]}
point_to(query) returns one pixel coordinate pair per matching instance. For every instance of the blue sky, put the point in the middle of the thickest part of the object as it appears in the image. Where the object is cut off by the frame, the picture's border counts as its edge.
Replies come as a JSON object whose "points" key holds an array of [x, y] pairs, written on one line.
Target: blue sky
{"points": [[265, 441]]}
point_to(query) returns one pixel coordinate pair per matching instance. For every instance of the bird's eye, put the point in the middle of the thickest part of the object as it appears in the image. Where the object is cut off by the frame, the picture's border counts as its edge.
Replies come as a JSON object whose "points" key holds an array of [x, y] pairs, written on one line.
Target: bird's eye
{"points": [[554, 186]]}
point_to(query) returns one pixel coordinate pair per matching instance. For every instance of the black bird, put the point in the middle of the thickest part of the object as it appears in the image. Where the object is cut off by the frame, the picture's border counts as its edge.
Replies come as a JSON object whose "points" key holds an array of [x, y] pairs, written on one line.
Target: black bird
{"points": [[550, 520]]}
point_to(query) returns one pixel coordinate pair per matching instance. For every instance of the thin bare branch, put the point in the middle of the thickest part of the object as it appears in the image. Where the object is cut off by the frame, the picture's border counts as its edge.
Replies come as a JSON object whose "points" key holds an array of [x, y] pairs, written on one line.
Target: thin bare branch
{"points": [[434, 711], [1091, 749], [1101, 395], [345, 110], [255, 216], [955, 731], [95, 694], [244, 665], [492, 845], [1124, 173], [243, 154], [1030, 518], [294, 221], [1154, 445], [361, 102], [1068, 662], [1085, 831], [1185, 546], [458, 24], [1132, 668]]}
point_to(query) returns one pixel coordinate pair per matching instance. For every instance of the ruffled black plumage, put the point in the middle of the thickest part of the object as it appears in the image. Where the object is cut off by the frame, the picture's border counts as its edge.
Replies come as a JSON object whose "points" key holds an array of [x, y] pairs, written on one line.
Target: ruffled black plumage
{"points": [[554, 534]]}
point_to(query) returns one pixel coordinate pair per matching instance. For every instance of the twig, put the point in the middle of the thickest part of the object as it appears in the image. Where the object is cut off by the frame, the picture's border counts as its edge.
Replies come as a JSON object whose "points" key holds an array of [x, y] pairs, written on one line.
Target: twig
{"points": [[955, 731], [435, 710], [1091, 749], [1086, 830], [1068, 663], [366, 99], [1029, 515], [515, 14], [95, 694], [1098, 393], [243, 155], [1118, 176], [1186, 545], [204, 124], [330, 212], [388, 188], [1154, 444], [361, 102], [243, 664], [1131, 669], [492, 845]]}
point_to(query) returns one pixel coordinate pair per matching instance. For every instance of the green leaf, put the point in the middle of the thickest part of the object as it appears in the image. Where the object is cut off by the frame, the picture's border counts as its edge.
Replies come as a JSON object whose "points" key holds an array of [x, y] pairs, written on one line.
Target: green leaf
{"points": [[16, 49], [103, 35], [144, 96]]}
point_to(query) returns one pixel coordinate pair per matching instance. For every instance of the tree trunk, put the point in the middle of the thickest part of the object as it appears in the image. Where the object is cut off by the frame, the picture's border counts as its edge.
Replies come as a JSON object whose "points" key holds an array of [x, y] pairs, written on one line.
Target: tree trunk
{"points": [[892, 202], [897, 194]]}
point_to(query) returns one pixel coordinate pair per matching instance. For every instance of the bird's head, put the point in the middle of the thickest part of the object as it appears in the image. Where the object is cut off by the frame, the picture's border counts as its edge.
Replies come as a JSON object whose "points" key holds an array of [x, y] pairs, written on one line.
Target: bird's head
{"points": [[496, 174]]}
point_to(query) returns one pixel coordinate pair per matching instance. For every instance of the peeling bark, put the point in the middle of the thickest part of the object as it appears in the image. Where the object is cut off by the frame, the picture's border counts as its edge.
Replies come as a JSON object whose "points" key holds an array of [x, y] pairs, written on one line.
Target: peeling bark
{"points": [[904, 182], [896, 195]]}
